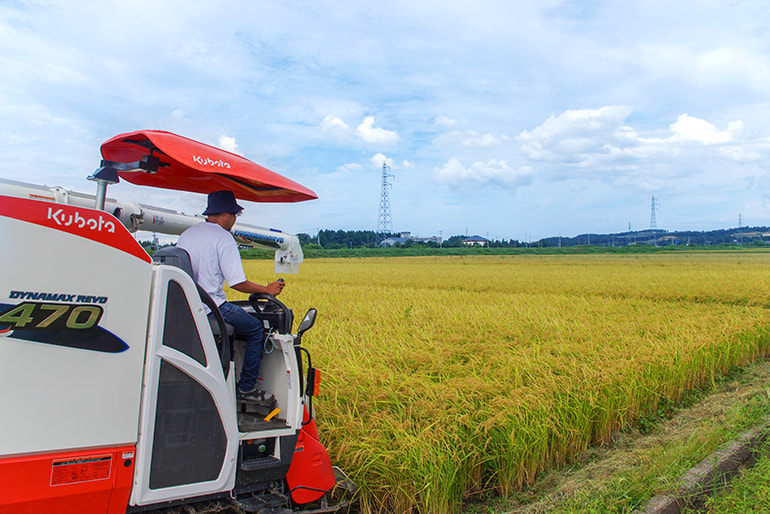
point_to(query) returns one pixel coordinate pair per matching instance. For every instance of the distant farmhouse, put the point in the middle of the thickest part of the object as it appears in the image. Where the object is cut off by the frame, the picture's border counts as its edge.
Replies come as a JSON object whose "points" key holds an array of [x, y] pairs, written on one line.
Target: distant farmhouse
{"points": [[476, 241], [393, 241], [407, 236]]}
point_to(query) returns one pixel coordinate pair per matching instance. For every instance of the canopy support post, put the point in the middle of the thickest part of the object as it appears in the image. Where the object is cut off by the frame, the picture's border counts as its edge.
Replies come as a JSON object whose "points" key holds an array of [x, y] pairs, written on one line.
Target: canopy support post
{"points": [[103, 176]]}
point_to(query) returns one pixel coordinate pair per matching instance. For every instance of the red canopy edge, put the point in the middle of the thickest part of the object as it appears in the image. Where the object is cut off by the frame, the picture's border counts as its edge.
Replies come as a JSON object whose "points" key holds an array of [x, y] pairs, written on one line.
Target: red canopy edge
{"points": [[188, 165]]}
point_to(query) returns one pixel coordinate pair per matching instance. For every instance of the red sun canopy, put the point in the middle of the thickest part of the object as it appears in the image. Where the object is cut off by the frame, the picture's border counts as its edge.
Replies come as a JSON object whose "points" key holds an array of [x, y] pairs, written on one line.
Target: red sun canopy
{"points": [[188, 165]]}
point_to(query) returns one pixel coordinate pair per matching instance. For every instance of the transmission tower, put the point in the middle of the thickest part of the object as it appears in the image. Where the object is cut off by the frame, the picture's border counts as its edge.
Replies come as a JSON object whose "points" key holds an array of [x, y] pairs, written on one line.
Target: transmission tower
{"points": [[384, 223], [653, 221]]}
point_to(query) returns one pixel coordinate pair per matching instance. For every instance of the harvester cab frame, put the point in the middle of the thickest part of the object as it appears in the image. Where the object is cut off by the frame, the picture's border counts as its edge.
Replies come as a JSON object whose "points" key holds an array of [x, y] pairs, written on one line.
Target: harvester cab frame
{"points": [[118, 349]]}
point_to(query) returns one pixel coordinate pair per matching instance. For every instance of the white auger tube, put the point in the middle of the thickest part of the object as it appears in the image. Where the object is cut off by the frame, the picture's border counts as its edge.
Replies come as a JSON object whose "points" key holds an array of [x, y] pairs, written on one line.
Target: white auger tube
{"points": [[136, 216]]}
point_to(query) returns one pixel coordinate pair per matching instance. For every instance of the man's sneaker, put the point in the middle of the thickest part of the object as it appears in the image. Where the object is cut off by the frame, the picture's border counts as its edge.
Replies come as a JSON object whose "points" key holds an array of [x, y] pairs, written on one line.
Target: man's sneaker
{"points": [[256, 396]]}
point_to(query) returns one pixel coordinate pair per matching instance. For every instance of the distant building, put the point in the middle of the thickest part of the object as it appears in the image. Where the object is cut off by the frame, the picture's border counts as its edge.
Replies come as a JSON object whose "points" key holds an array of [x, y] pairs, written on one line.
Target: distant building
{"points": [[431, 239], [476, 241], [407, 236], [393, 241]]}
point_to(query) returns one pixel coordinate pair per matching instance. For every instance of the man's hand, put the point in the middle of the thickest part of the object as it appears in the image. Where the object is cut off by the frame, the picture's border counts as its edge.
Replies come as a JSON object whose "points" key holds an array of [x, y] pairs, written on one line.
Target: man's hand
{"points": [[275, 288]]}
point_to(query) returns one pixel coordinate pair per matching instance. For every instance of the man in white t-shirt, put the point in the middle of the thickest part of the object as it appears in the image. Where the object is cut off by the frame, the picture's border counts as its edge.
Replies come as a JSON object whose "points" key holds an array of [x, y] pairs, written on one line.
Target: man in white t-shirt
{"points": [[215, 259]]}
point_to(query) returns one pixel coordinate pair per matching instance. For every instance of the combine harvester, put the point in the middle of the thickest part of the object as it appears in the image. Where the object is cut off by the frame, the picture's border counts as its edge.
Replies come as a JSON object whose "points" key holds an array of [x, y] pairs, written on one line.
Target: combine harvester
{"points": [[118, 392]]}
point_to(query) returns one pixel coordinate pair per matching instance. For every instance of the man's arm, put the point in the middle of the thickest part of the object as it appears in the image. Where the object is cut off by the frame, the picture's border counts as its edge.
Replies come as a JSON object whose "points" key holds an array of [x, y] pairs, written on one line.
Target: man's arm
{"points": [[273, 288]]}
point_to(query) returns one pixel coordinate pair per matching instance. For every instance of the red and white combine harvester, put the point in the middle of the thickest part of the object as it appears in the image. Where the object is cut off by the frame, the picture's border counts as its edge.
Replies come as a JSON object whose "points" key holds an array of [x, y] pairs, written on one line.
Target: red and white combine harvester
{"points": [[117, 392]]}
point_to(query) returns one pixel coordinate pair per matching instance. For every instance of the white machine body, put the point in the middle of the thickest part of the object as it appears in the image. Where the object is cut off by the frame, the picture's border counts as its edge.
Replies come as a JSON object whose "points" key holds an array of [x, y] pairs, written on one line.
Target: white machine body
{"points": [[114, 391]]}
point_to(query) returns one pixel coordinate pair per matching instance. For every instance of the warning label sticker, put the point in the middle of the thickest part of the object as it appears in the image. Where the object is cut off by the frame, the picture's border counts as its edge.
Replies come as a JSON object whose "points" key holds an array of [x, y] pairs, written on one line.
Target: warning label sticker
{"points": [[81, 469]]}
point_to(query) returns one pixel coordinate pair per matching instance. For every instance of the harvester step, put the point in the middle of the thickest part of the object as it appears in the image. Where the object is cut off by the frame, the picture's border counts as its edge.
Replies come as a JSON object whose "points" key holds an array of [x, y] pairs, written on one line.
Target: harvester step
{"points": [[256, 463], [264, 503]]}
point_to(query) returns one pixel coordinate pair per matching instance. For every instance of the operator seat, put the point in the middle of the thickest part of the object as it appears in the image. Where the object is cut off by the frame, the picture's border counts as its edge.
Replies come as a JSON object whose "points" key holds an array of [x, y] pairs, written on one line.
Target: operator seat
{"points": [[178, 257]]}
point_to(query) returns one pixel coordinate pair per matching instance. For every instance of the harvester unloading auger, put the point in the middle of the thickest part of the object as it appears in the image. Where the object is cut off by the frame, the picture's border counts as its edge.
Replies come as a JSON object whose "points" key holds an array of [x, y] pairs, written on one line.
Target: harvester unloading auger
{"points": [[118, 392]]}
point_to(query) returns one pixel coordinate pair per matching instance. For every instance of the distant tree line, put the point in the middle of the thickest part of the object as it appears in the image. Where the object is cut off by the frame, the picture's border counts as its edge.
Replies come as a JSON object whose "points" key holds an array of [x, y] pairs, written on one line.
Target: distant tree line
{"points": [[744, 235], [349, 239], [333, 239], [338, 239]]}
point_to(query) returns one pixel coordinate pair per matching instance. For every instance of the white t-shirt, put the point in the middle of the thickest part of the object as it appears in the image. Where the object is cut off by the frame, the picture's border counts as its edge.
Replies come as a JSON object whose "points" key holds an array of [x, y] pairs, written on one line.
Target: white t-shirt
{"points": [[215, 258]]}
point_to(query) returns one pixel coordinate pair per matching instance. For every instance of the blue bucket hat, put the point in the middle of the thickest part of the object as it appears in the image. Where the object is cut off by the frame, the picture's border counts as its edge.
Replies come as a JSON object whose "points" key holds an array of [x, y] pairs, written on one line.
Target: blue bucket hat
{"points": [[222, 201]]}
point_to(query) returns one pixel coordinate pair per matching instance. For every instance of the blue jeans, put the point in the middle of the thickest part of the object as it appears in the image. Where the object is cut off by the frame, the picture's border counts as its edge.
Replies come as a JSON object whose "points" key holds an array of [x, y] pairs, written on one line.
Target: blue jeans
{"points": [[251, 329]]}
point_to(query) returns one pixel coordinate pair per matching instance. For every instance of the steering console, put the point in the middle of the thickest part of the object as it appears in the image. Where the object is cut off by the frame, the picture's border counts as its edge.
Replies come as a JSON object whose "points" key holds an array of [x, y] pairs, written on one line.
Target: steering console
{"points": [[269, 308]]}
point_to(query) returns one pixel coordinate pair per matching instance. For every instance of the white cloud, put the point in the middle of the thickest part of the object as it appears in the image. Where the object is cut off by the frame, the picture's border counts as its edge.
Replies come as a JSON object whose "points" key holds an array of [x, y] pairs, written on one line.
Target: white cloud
{"points": [[333, 125], [353, 166], [600, 140], [577, 131], [371, 134], [491, 172], [598, 144], [690, 128], [378, 159], [228, 143]]}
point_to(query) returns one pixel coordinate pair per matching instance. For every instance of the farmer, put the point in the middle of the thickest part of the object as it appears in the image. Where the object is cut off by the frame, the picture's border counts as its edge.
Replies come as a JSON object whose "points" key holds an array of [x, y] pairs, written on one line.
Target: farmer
{"points": [[215, 259]]}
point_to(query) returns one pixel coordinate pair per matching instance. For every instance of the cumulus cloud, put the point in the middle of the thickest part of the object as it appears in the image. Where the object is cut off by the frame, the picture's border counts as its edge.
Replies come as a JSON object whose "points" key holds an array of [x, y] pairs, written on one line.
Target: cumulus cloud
{"points": [[576, 132], [371, 134], [599, 144], [336, 127], [595, 139], [228, 143], [690, 128], [378, 159], [333, 125], [493, 171]]}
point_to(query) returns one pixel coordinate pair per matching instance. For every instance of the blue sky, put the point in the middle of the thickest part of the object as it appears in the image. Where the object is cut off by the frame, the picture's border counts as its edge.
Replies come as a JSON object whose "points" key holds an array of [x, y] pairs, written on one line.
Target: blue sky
{"points": [[507, 119]]}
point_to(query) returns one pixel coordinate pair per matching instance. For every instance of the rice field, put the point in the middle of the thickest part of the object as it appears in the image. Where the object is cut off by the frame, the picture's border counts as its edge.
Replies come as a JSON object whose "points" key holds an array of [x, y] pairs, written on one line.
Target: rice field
{"points": [[444, 377]]}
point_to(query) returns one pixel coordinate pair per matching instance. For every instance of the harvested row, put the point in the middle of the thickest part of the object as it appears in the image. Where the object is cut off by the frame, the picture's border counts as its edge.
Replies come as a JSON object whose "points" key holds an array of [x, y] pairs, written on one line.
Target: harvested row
{"points": [[444, 377]]}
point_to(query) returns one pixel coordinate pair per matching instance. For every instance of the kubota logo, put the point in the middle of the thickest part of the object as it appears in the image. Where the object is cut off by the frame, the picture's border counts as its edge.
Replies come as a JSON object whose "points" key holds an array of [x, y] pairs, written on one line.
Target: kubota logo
{"points": [[66, 220], [207, 161]]}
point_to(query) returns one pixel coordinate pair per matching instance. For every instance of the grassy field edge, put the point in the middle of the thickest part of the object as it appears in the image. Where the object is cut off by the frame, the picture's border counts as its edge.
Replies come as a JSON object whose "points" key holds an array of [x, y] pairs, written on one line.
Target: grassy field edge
{"points": [[638, 464]]}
